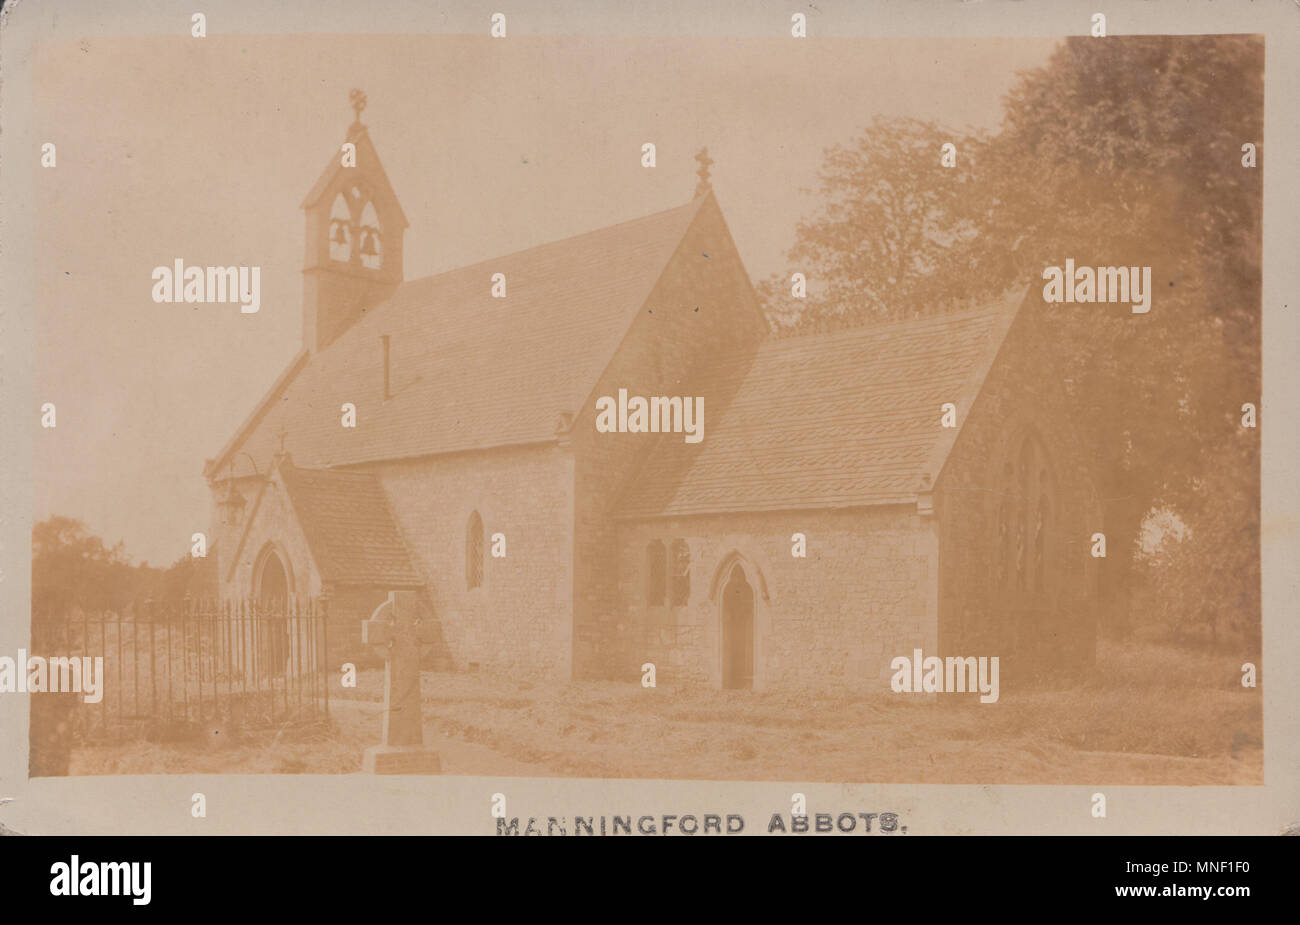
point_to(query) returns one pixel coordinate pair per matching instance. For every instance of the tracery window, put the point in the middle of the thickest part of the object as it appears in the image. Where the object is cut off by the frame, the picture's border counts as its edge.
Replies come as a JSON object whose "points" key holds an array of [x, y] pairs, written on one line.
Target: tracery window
{"points": [[680, 572], [1024, 521]]}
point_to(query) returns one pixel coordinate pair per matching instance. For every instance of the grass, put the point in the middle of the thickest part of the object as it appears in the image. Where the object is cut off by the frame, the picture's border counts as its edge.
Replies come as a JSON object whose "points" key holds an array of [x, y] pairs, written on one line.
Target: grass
{"points": [[1148, 714]]}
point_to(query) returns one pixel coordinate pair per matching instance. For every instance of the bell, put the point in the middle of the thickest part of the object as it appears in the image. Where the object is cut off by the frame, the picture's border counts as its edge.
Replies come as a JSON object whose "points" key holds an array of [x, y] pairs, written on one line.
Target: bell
{"points": [[340, 235], [368, 247]]}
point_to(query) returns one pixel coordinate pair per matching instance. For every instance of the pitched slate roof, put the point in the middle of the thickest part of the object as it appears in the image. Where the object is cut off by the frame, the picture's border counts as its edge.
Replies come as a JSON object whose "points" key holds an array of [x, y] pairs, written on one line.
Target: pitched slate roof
{"points": [[349, 527], [470, 371], [826, 420]]}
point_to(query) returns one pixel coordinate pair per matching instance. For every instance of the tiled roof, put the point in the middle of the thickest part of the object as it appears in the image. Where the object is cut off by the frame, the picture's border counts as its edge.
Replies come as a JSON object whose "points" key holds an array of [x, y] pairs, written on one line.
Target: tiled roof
{"points": [[349, 527], [826, 420], [468, 370]]}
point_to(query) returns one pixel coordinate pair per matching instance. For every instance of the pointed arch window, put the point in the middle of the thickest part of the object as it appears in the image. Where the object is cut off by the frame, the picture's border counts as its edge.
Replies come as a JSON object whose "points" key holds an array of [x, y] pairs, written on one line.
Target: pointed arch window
{"points": [[1041, 523], [1024, 521], [1003, 548], [474, 552], [679, 575], [1024, 501], [655, 573]]}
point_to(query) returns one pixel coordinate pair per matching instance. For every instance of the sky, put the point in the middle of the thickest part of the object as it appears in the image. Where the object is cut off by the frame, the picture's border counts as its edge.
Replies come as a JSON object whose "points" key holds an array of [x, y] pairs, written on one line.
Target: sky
{"points": [[171, 148]]}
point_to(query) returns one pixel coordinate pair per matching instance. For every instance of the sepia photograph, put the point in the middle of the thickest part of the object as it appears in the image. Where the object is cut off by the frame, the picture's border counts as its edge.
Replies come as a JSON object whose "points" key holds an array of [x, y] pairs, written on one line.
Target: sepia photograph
{"points": [[856, 419], [907, 435]]}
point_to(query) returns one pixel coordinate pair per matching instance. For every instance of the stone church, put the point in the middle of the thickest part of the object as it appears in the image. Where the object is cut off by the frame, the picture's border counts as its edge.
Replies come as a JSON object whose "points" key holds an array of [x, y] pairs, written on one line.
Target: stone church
{"points": [[827, 522]]}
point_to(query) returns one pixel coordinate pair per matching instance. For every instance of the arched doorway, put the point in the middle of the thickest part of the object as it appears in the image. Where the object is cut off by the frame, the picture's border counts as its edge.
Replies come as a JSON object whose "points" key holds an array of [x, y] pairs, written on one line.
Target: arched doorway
{"points": [[737, 631], [273, 585], [272, 596]]}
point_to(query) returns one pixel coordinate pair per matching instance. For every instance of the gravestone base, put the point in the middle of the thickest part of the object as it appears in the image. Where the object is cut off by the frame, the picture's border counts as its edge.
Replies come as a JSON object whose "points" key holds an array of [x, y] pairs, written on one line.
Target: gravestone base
{"points": [[400, 759]]}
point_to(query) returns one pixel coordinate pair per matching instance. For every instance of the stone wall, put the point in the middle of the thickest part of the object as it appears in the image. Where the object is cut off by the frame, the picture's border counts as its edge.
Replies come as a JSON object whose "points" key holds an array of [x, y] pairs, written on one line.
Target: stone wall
{"points": [[520, 618], [701, 308], [347, 608], [833, 620], [274, 525], [1057, 626]]}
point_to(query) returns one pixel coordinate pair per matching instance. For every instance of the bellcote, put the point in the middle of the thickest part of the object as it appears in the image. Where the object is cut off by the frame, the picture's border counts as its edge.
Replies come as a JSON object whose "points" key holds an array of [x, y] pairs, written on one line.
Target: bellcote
{"points": [[355, 225]]}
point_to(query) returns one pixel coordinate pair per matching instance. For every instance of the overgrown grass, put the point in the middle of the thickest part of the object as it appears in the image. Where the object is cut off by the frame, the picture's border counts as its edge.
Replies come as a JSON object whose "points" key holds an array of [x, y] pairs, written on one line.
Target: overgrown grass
{"points": [[1148, 713]]}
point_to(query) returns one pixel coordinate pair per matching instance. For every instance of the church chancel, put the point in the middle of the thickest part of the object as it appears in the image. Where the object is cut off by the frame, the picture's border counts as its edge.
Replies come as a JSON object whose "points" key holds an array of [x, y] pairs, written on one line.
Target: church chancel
{"points": [[432, 424]]}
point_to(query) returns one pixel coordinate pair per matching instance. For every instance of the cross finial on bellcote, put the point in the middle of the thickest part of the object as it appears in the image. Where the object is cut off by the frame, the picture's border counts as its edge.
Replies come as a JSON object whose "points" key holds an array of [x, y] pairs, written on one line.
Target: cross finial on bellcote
{"points": [[358, 100], [703, 186], [280, 435]]}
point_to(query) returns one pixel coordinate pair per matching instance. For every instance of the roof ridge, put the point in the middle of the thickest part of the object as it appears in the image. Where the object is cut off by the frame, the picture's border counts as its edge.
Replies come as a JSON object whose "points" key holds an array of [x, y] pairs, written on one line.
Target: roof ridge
{"points": [[554, 242], [835, 326]]}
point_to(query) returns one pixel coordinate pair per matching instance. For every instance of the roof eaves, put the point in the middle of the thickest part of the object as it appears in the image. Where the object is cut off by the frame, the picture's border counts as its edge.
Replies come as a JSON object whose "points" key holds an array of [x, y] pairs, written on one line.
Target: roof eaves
{"points": [[706, 510], [471, 448]]}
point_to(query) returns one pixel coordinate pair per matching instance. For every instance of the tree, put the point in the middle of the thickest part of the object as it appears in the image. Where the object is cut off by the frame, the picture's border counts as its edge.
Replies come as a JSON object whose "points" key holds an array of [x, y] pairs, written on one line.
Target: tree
{"points": [[72, 568], [1130, 153], [1122, 152], [890, 217]]}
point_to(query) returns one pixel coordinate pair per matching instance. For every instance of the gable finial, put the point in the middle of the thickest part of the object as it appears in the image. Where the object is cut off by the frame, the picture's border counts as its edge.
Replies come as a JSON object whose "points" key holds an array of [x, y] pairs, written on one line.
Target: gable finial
{"points": [[703, 186], [358, 100]]}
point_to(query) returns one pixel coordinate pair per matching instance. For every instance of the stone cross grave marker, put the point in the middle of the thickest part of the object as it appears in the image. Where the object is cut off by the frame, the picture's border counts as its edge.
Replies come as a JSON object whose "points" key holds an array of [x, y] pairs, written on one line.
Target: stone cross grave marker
{"points": [[396, 625]]}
